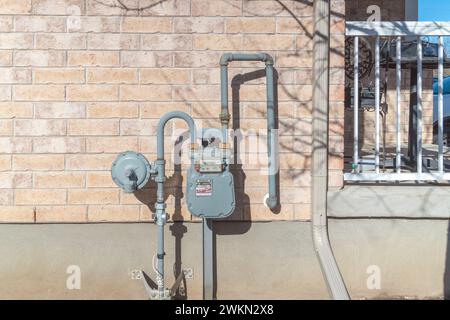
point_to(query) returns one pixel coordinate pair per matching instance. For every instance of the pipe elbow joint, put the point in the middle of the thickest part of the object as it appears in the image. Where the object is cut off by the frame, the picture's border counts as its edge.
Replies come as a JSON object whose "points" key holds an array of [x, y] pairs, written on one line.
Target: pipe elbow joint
{"points": [[226, 58], [272, 202], [268, 59]]}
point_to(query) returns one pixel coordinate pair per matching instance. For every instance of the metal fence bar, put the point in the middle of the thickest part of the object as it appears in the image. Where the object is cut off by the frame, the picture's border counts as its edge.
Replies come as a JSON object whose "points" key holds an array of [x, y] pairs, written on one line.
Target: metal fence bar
{"points": [[441, 105], [419, 104], [398, 152], [356, 106], [377, 105]]}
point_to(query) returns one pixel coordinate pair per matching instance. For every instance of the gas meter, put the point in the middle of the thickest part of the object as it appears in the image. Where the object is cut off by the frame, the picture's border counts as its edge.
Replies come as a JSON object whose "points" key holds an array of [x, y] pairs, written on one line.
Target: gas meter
{"points": [[210, 185]]}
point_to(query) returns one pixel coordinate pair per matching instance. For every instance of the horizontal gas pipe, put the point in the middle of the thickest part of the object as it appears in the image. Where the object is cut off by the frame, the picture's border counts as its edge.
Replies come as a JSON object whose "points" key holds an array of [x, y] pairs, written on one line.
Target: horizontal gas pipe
{"points": [[272, 200], [160, 206]]}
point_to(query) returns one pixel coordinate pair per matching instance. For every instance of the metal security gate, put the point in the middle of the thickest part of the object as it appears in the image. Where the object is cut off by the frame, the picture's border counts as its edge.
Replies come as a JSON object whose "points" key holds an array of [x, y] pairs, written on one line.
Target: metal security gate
{"points": [[399, 30]]}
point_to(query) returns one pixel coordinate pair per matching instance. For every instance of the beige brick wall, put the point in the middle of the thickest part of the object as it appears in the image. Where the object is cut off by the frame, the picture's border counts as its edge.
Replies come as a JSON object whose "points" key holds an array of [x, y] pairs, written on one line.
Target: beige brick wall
{"points": [[82, 80]]}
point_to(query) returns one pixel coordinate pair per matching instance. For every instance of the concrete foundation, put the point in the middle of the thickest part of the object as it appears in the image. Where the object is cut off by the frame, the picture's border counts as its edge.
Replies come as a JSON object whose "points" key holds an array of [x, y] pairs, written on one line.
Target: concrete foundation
{"points": [[273, 260]]}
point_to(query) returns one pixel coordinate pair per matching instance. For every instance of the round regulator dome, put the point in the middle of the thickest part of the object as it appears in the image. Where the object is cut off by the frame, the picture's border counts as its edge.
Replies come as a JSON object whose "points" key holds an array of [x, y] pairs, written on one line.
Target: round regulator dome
{"points": [[131, 171]]}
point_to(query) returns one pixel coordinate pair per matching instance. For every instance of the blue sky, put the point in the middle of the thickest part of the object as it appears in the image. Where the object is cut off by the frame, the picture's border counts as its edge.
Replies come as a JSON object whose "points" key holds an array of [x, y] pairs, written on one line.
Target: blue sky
{"points": [[434, 10]]}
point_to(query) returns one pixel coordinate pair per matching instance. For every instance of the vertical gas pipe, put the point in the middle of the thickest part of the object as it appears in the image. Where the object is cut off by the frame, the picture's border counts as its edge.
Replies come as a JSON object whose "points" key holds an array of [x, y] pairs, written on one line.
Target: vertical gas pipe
{"points": [[160, 178], [272, 200]]}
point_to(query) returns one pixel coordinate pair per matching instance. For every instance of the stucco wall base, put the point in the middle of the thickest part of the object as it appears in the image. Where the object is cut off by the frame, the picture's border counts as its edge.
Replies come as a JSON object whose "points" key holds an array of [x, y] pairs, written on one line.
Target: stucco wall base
{"points": [[272, 260]]}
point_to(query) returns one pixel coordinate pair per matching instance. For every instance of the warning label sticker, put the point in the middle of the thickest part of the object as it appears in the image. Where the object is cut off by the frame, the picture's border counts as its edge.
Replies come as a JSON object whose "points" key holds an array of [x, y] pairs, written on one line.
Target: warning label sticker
{"points": [[203, 188]]}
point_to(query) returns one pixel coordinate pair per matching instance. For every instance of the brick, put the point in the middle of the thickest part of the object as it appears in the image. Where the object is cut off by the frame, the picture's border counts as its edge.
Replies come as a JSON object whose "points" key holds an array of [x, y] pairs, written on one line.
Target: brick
{"points": [[216, 8], [15, 145], [5, 58], [199, 25], [165, 76], [250, 25], [15, 75], [94, 24], [5, 162], [16, 214], [292, 25], [92, 93], [302, 212], [113, 213], [15, 6], [5, 93], [61, 214], [145, 92], [60, 41], [217, 42], [264, 42], [6, 127], [206, 76], [39, 24], [93, 127], [38, 93], [16, 41], [110, 8], [165, 8], [39, 58], [138, 127], [268, 8], [111, 41], [58, 76], [60, 110], [156, 110], [35, 162], [146, 25], [6, 24], [40, 127], [196, 93], [146, 59], [14, 180], [93, 196], [337, 92], [111, 144], [90, 161], [166, 42], [39, 196], [6, 198], [58, 180], [112, 110], [16, 110], [112, 75], [259, 212], [337, 25], [305, 8], [297, 59], [303, 43], [58, 7], [58, 145], [93, 58], [99, 180]]}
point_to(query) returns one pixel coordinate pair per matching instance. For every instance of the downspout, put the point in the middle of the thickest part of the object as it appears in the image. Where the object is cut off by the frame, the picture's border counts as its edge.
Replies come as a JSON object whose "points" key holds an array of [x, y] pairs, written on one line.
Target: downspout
{"points": [[272, 200], [330, 270]]}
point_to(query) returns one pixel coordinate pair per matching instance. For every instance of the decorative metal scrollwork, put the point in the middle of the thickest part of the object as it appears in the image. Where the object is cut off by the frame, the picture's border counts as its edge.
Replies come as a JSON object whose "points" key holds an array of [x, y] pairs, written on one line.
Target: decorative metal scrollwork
{"points": [[366, 60]]}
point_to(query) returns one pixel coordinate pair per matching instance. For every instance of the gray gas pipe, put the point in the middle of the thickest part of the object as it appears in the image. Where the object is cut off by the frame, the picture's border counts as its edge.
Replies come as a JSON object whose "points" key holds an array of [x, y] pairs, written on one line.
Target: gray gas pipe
{"points": [[272, 143]]}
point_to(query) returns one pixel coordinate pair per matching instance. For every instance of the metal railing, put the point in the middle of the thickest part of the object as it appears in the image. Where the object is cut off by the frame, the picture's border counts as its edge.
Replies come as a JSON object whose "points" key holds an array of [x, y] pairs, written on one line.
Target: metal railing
{"points": [[398, 30]]}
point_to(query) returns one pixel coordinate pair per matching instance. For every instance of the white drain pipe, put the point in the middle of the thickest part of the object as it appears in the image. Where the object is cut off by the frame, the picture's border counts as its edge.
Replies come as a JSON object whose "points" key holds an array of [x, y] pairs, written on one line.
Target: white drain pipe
{"points": [[330, 270]]}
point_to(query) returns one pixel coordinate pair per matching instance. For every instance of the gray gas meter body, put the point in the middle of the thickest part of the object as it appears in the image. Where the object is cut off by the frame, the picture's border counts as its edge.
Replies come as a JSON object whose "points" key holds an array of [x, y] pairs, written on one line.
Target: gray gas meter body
{"points": [[210, 185]]}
